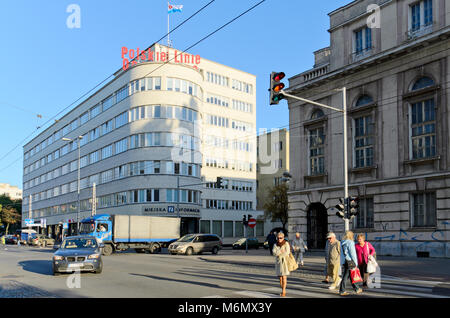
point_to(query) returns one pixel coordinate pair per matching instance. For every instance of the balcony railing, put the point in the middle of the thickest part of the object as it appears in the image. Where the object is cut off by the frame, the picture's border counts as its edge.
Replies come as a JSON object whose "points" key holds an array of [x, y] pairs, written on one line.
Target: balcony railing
{"points": [[316, 72]]}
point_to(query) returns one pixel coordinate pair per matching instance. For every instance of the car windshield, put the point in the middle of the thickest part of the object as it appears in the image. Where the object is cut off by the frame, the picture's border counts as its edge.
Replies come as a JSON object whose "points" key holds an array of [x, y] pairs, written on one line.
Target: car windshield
{"points": [[187, 238], [87, 227], [79, 243]]}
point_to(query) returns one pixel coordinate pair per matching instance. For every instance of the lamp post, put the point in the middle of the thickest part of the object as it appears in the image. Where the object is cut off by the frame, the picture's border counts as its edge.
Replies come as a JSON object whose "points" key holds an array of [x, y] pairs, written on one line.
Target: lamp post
{"points": [[78, 191]]}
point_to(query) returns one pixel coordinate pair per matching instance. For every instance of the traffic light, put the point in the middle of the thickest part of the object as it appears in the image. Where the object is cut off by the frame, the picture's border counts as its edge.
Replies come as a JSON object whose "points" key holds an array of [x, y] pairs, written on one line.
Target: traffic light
{"points": [[244, 220], [353, 207], [219, 182], [276, 87], [341, 208]]}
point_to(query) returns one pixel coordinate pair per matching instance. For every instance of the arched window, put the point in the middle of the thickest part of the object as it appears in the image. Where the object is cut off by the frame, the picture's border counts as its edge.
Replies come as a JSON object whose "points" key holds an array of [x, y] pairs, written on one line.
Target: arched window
{"points": [[364, 100], [317, 114], [422, 83]]}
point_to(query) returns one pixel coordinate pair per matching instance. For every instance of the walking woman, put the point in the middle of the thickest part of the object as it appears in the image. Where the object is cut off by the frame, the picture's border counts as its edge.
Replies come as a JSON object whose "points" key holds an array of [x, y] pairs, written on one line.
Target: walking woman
{"points": [[363, 251], [281, 251], [349, 261]]}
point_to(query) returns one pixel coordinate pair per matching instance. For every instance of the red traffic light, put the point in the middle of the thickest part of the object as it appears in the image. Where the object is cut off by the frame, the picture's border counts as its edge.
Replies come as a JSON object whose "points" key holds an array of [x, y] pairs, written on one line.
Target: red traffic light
{"points": [[278, 87], [278, 76]]}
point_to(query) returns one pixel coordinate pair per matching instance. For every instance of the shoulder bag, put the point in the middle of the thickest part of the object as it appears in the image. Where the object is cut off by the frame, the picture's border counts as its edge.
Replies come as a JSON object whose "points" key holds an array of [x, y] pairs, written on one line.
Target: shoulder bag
{"points": [[371, 262]]}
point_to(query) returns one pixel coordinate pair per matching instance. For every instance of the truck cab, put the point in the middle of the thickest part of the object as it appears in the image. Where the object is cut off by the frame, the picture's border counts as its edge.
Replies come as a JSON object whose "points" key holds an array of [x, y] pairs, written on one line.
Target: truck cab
{"points": [[99, 226]]}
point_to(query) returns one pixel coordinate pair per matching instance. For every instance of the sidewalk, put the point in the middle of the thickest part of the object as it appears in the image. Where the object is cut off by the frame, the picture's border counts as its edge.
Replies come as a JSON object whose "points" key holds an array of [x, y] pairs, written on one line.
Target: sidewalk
{"points": [[411, 268]]}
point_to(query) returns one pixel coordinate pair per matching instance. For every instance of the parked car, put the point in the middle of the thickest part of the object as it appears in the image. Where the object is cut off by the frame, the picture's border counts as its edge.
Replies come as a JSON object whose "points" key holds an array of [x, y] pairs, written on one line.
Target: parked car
{"points": [[196, 243], [252, 242], [78, 253], [11, 239], [42, 240]]}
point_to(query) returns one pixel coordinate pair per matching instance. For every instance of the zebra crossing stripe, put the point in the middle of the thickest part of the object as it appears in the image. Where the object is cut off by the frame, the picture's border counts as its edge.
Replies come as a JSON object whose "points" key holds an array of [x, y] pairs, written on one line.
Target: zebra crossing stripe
{"points": [[301, 293], [255, 294]]}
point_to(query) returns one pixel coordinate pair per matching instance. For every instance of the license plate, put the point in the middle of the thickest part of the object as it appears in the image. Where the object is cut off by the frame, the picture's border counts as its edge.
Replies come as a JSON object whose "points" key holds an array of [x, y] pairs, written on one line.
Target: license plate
{"points": [[74, 265]]}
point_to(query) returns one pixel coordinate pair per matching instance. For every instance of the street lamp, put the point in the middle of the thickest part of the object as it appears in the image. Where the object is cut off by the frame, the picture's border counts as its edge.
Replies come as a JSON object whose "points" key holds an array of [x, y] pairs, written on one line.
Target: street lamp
{"points": [[78, 205]]}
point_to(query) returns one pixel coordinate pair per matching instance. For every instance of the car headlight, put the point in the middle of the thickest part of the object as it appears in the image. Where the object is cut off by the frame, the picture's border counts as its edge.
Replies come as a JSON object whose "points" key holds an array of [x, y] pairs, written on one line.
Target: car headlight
{"points": [[58, 258], [94, 256]]}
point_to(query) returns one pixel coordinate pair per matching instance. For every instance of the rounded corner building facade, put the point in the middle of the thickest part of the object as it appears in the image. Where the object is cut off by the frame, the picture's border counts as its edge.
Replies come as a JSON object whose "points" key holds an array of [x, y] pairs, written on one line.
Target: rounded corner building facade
{"points": [[152, 141]]}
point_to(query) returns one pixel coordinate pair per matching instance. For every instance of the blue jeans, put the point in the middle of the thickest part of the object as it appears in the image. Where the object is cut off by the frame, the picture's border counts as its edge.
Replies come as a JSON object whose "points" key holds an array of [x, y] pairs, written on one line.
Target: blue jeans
{"points": [[298, 256], [345, 276]]}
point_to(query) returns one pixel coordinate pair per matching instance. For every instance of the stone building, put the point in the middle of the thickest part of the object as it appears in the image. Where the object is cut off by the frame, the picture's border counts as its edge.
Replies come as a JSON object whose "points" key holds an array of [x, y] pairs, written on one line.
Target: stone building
{"points": [[393, 58]]}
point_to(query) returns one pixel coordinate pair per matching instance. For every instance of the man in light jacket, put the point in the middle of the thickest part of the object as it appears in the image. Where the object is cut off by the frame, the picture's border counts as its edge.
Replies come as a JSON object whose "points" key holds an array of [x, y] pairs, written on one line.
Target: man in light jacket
{"points": [[299, 248], [333, 259]]}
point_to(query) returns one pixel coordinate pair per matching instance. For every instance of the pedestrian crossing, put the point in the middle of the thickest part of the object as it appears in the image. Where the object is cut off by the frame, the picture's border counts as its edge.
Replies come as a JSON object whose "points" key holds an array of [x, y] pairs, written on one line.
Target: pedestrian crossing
{"points": [[390, 288]]}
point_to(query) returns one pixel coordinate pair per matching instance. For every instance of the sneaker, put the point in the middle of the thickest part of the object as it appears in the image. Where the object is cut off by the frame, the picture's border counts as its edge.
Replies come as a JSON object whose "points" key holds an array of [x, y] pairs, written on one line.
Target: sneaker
{"points": [[359, 291], [302, 263], [332, 287], [343, 294]]}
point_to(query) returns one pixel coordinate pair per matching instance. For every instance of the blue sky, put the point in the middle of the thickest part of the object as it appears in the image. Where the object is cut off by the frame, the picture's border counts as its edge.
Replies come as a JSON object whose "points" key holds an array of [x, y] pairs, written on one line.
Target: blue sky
{"points": [[46, 66]]}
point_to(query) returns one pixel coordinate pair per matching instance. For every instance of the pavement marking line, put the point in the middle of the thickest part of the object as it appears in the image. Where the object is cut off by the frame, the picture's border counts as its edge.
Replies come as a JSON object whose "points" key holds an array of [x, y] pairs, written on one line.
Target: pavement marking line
{"points": [[255, 294], [410, 288], [405, 293], [396, 279], [301, 293]]}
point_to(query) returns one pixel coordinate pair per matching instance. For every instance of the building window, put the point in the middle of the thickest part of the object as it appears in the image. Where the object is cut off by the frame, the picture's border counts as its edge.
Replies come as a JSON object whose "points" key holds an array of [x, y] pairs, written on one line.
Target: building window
{"points": [[423, 129], [363, 40], [365, 217], [316, 151], [205, 226], [421, 17], [423, 209], [217, 228], [363, 141], [364, 100]]}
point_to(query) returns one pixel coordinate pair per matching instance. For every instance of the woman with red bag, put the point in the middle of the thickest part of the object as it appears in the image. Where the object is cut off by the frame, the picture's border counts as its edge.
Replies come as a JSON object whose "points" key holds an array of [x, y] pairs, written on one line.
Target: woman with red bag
{"points": [[363, 251], [349, 262]]}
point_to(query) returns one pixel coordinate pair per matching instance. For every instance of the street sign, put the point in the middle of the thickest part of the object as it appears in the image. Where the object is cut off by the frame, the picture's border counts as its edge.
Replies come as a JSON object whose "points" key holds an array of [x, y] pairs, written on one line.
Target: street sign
{"points": [[29, 222], [171, 209], [252, 223]]}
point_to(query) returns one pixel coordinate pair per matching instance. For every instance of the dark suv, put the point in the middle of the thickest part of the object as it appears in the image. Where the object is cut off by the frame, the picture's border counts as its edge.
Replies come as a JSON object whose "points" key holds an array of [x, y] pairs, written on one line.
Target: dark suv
{"points": [[196, 243]]}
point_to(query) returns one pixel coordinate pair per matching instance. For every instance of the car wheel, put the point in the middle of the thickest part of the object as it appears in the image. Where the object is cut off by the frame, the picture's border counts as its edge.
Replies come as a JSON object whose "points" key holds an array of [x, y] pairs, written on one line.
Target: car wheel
{"points": [[215, 250], [154, 248], [99, 270], [107, 250], [189, 251]]}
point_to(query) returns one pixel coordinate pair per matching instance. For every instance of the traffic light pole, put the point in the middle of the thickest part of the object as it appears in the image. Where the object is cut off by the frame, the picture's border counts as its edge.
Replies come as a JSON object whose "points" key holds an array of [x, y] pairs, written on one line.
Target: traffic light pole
{"points": [[344, 113]]}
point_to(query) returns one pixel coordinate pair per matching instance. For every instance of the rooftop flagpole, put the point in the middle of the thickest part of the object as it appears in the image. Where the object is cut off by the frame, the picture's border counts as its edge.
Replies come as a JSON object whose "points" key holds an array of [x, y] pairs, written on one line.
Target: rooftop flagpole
{"points": [[168, 24]]}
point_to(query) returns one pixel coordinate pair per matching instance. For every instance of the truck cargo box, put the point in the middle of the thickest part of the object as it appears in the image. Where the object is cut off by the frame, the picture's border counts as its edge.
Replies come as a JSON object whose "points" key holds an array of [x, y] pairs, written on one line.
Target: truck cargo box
{"points": [[135, 228]]}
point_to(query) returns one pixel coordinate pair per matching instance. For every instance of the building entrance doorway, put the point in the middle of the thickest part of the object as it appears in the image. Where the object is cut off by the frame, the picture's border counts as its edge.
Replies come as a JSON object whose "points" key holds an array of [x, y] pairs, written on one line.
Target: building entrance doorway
{"points": [[317, 225]]}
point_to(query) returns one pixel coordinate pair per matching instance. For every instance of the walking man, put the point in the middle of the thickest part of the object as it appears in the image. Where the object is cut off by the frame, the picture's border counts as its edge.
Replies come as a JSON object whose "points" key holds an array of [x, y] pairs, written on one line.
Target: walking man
{"points": [[334, 260], [299, 248]]}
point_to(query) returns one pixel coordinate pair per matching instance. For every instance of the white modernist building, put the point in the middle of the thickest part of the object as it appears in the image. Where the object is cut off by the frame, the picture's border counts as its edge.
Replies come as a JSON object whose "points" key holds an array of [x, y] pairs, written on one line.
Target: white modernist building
{"points": [[153, 141]]}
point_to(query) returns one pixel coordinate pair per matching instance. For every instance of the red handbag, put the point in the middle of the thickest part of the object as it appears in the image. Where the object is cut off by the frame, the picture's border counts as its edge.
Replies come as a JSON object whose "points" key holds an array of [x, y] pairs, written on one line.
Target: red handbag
{"points": [[355, 275]]}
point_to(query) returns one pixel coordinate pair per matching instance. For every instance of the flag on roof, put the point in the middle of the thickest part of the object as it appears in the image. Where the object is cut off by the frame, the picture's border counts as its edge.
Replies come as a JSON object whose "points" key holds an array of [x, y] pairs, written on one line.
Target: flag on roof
{"points": [[174, 8]]}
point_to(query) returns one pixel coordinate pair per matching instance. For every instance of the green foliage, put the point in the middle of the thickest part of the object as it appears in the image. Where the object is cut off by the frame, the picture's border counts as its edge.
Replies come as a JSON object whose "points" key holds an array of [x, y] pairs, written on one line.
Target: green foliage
{"points": [[10, 211], [276, 206]]}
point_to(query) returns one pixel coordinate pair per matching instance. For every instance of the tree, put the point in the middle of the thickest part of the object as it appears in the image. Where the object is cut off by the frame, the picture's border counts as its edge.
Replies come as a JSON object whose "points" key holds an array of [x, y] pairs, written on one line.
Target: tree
{"points": [[276, 209], [11, 211]]}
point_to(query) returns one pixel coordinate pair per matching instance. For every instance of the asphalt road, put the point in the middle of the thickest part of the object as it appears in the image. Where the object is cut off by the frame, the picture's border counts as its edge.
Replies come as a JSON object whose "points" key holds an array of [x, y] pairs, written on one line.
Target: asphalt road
{"points": [[26, 272]]}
